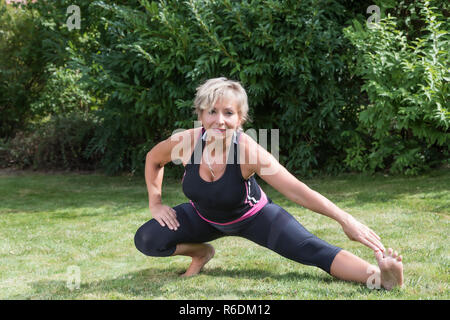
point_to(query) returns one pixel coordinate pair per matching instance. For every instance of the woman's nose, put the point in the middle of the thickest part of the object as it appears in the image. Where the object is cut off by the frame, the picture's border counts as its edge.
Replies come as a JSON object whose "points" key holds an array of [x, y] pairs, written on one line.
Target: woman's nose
{"points": [[220, 118]]}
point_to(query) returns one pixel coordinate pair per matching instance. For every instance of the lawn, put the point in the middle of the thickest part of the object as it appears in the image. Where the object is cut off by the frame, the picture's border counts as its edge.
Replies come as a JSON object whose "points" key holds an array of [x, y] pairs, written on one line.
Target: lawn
{"points": [[62, 226]]}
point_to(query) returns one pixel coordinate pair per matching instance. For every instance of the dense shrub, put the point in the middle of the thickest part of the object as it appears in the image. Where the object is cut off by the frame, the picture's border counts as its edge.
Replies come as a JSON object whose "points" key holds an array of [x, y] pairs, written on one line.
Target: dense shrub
{"points": [[21, 68], [38, 83], [406, 81], [142, 61], [290, 56], [63, 93], [59, 143], [35, 78]]}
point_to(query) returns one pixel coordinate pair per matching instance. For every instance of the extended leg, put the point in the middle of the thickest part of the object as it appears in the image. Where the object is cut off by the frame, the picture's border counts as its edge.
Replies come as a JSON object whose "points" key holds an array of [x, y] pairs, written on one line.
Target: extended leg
{"points": [[388, 274], [279, 231], [276, 229], [347, 266]]}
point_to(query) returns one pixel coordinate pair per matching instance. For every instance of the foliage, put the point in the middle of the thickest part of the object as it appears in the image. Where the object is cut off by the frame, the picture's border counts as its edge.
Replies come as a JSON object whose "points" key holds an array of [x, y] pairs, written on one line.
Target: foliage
{"points": [[134, 67], [34, 76], [407, 86], [288, 55], [62, 93], [21, 70], [59, 143]]}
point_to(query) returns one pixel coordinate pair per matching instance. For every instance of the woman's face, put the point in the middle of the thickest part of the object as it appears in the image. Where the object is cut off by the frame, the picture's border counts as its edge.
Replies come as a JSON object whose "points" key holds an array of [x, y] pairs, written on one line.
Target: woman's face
{"points": [[223, 118]]}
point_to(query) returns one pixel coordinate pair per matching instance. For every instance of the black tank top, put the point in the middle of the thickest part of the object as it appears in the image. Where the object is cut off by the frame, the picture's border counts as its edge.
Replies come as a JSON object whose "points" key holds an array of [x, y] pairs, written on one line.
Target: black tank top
{"points": [[226, 199]]}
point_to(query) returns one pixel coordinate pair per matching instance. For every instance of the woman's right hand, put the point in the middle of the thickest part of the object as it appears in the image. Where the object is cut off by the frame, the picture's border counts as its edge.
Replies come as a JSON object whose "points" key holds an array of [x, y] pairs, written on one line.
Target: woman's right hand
{"points": [[165, 215]]}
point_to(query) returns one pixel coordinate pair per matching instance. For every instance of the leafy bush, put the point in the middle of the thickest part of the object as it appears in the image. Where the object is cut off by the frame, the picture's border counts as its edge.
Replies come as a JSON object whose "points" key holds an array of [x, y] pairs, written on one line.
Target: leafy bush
{"points": [[35, 78], [59, 143], [18, 152], [288, 55], [406, 81], [142, 61], [21, 68], [38, 82], [63, 93]]}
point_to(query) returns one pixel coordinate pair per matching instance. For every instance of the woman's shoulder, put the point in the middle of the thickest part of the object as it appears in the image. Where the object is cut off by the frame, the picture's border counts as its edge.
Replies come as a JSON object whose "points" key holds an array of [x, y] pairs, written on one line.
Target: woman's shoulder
{"points": [[255, 157]]}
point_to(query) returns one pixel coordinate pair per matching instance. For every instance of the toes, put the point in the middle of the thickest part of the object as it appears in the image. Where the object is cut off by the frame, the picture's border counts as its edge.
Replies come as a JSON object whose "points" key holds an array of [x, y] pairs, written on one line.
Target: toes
{"points": [[390, 251], [378, 256]]}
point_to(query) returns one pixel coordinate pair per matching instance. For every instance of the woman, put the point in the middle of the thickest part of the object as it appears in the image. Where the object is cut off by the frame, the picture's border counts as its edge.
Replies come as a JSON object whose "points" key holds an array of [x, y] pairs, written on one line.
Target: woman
{"points": [[225, 198]]}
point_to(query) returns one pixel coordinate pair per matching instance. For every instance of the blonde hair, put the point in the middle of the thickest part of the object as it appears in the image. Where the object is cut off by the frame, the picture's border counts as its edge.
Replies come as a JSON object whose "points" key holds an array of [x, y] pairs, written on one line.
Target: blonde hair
{"points": [[213, 89]]}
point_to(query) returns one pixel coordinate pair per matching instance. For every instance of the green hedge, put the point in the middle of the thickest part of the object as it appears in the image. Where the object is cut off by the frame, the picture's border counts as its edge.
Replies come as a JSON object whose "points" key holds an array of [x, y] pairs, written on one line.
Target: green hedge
{"points": [[406, 81], [59, 143], [21, 68], [304, 68], [290, 56]]}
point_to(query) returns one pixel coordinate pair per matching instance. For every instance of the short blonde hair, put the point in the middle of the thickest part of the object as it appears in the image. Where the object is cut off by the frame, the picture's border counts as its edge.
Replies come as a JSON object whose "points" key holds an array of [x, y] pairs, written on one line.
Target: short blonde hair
{"points": [[213, 89]]}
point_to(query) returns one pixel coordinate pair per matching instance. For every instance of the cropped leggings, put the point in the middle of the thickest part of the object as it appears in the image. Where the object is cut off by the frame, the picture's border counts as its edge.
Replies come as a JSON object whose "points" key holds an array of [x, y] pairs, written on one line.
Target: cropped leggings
{"points": [[271, 227]]}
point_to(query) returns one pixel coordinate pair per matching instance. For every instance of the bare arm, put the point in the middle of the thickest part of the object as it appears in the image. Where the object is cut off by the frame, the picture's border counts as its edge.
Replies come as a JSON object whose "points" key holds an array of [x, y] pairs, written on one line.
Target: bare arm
{"points": [[271, 171], [156, 158], [153, 178]]}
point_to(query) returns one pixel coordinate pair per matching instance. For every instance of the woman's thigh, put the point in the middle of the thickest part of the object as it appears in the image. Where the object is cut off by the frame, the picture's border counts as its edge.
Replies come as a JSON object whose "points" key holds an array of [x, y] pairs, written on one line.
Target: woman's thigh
{"points": [[154, 240], [278, 230]]}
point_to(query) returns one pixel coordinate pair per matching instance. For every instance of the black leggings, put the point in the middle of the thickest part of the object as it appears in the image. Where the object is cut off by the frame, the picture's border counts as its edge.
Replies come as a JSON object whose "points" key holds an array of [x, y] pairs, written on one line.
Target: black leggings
{"points": [[272, 227]]}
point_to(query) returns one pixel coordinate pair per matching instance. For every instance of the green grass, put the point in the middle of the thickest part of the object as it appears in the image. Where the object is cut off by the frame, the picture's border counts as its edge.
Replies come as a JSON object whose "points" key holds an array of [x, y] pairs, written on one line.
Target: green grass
{"points": [[49, 222]]}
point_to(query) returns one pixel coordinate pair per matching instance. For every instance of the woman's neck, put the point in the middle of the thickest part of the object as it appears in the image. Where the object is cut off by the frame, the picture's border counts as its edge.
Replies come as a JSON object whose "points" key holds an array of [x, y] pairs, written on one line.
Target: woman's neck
{"points": [[218, 148]]}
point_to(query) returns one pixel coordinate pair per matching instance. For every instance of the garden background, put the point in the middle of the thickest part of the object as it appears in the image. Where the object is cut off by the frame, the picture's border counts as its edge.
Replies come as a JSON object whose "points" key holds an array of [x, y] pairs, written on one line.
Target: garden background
{"points": [[351, 100]]}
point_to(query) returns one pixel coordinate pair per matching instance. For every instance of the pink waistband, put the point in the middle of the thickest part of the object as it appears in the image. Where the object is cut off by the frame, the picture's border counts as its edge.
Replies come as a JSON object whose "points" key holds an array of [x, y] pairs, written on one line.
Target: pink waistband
{"points": [[261, 203]]}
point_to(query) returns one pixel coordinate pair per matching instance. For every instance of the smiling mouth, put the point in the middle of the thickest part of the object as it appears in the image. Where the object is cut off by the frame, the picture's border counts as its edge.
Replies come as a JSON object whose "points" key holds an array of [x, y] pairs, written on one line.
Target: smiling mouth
{"points": [[220, 130]]}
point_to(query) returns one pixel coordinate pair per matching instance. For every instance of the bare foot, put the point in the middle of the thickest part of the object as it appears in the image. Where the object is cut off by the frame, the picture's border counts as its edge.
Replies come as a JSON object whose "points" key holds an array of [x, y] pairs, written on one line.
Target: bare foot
{"points": [[391, 268], [202, 256]]}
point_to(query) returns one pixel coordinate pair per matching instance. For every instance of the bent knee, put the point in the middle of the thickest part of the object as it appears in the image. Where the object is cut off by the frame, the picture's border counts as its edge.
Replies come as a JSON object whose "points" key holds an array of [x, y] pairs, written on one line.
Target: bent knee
{"points": [[151, 242], [143, 241]]}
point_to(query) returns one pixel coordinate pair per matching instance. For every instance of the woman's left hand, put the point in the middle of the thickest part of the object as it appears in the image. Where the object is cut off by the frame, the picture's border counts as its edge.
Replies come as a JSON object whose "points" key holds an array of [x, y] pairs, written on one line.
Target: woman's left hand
{"points": [[357, 231]]}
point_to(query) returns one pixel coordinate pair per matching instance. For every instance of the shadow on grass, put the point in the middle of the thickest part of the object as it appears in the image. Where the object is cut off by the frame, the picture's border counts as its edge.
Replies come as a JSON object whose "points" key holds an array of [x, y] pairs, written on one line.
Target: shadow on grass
{"points": [[214, 282]]}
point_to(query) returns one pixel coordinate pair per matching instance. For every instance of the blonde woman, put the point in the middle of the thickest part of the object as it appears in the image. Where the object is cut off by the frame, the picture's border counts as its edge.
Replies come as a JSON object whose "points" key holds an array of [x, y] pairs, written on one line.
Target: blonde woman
{"points": [[225, 198]]}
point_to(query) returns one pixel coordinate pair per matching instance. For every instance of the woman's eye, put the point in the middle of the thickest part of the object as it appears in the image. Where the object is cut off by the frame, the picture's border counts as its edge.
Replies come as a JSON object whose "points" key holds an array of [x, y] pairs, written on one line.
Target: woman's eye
{"points": [[214, 111]]}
